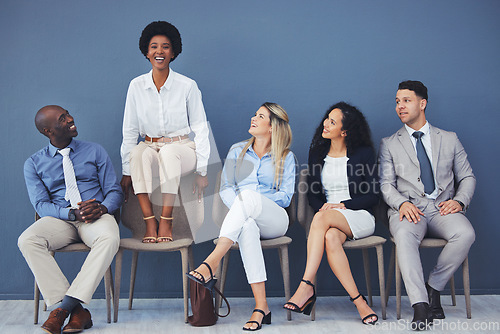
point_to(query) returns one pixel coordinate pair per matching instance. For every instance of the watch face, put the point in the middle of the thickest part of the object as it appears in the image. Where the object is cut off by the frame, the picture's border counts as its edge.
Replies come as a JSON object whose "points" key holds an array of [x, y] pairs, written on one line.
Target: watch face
{"points": [[71, 215]]}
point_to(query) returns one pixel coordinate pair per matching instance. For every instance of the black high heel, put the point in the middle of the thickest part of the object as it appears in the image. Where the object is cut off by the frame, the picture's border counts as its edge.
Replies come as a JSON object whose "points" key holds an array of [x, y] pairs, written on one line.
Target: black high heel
{"points": [[308, 305], [369, 315], [209, 284], [266, 320]]}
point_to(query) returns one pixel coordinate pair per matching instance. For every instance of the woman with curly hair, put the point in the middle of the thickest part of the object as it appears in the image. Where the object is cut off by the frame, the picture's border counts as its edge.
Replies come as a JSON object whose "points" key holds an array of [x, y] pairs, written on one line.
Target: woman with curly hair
{"points": [[257, 183], [162, 107], [342, 189]]}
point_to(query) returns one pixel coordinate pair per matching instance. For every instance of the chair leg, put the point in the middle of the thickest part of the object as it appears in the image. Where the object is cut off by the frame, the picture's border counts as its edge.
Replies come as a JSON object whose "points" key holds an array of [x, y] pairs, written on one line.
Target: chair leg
{"points": [[118, 278], [366, 265], [285, 271], [108, 282], [398, 286], [185, 269], [190, 258], [218, 274], [465, 270], [133, 271], [390, 274], [37, 303], [381, 279], [452, 289], [221, 273], [225, 266]]}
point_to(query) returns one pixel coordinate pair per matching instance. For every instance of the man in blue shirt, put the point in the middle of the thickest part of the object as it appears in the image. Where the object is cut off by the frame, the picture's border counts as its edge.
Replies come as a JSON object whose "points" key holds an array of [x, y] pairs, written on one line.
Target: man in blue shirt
{"points": [[65, 220]]}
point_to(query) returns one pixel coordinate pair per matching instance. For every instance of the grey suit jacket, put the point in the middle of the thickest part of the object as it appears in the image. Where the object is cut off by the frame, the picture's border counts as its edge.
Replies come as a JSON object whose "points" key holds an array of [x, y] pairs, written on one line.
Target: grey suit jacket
{"points": [[400, 170]]}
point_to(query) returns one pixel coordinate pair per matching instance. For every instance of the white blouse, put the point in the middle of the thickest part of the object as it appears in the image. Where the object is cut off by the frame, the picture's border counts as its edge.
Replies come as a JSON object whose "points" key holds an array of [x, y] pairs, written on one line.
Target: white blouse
{"points": [[176, 110], [334, 179]]}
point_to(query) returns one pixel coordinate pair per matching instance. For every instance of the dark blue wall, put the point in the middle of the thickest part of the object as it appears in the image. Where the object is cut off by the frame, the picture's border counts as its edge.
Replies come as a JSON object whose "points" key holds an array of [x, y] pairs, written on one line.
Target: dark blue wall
{"points": [[305, 55]]}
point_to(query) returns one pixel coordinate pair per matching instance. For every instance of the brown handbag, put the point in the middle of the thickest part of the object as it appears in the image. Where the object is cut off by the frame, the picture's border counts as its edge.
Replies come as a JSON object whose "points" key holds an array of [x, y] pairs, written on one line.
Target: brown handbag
{"points": [[202, 305]]}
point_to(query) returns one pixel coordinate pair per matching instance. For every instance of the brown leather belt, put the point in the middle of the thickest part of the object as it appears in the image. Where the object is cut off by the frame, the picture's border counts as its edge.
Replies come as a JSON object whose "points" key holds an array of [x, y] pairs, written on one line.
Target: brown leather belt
{"points": [[166, 139]]}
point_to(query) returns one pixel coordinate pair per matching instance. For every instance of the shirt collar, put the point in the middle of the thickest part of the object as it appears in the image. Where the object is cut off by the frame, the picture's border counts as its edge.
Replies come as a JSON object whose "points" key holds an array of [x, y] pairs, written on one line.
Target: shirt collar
{"points": [[424, 129], [54, 150], [250, 148], [151, 84]]}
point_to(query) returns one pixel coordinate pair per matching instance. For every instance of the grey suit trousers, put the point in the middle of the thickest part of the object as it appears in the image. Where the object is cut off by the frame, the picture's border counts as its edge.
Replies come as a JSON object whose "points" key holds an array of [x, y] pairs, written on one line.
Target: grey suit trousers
{"points": [[455, 228], [49, 233]]}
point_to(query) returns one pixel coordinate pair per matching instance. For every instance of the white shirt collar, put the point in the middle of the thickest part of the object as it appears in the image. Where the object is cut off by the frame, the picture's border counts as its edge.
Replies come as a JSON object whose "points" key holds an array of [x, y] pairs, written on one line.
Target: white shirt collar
{"points": [[425, 129], [151, 84]]}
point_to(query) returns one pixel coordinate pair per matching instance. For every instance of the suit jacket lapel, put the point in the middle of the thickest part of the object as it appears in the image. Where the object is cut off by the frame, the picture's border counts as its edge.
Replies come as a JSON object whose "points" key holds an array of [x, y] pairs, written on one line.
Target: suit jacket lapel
{"points": [[436, 146], [405, 140]]}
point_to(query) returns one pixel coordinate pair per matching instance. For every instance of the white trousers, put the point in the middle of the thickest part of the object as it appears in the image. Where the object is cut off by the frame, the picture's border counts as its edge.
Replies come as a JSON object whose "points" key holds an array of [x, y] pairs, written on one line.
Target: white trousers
{"points": [[253, 217], [49, 234], [169, 161]]}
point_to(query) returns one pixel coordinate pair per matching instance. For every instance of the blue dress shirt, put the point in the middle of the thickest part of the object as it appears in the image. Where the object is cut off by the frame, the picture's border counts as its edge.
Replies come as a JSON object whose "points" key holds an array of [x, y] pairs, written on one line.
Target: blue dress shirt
{"points": [[256, 174], [95, 177]]}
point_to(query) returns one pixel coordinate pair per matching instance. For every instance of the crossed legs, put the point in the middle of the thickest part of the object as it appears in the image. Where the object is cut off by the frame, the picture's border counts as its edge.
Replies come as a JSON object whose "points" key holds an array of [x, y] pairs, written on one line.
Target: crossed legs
{"points": [[251, 217], [328, 232]]}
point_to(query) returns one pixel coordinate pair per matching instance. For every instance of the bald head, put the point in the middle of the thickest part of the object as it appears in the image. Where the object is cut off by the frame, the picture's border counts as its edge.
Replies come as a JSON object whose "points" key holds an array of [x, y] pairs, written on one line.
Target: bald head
{"points": [[46, 116]]}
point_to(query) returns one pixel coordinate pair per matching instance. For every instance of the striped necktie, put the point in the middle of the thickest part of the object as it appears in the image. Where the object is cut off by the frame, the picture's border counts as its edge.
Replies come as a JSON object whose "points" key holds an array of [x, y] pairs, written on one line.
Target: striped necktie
{"points": [[425, 164], [72, 192]]}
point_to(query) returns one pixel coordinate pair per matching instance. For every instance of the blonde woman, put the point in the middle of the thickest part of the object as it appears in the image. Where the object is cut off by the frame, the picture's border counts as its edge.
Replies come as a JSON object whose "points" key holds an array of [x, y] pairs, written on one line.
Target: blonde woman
{"points": [[258, 182]]}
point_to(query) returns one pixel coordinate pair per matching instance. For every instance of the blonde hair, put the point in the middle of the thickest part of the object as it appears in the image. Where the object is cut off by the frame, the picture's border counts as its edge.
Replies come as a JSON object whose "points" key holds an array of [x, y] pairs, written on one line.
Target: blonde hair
{"points": [[281, 139]]}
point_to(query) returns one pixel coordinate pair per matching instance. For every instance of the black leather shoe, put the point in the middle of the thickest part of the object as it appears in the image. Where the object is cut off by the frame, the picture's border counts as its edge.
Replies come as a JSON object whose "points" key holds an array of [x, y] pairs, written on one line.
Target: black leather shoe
{"points": [[437, 311], [422, 319]]}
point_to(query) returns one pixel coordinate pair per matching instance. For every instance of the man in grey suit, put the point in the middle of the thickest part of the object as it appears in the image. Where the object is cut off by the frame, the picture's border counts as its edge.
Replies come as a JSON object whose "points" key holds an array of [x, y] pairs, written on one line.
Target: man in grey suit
{"points": [[427, 182]]}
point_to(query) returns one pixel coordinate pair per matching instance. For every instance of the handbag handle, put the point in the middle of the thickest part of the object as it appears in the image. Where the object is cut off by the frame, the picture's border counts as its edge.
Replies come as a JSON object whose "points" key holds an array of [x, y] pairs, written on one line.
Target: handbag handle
{"points": [[227, 303]]}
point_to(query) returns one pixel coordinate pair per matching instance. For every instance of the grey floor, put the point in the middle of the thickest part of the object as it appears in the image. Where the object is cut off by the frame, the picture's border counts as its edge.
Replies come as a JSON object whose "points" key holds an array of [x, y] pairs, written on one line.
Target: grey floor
{"points": [[333, 315]]}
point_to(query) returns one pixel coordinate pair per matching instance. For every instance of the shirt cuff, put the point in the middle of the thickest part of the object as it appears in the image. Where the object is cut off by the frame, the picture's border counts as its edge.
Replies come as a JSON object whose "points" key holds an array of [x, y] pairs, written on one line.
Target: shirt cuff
{"points": [[64, 213]]}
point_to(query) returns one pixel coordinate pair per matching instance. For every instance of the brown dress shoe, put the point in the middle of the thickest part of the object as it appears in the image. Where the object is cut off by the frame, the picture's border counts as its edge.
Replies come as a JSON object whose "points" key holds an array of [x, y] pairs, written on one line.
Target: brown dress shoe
{"points": [[80, 319], [55, 321]]}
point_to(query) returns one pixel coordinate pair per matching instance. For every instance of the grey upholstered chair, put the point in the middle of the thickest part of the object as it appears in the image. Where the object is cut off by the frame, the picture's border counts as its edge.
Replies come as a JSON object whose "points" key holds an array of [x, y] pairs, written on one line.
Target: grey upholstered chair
{"points": [[305, 216], [108, 279], [219, 211], [428, 243], [132, 218]]}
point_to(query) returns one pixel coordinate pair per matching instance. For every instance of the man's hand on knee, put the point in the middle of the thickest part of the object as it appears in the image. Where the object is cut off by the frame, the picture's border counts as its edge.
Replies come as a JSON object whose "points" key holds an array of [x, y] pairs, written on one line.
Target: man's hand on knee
{"points": [[410, 211], [450, 206]]}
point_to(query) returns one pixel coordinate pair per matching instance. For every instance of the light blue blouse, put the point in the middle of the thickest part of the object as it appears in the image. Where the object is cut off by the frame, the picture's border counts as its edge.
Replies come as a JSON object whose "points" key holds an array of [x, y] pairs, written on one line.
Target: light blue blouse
{"points": [[256, 174]]}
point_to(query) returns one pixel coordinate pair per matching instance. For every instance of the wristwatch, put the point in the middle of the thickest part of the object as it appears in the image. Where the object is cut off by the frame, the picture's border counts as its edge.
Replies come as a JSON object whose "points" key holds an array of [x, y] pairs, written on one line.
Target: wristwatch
{"points": [[71, 215], [461, 204]]}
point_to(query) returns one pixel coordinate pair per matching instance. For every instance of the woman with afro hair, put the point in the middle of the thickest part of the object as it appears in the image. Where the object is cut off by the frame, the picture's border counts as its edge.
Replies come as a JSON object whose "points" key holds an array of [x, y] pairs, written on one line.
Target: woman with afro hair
{"points": [[163, 107], [342, 189]]}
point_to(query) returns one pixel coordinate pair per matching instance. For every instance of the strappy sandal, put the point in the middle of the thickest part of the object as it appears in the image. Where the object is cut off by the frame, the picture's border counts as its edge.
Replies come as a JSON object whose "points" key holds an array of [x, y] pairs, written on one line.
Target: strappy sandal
{"points": [[308, 305], [266, 320], [369, 315], [150, 240], [208, 284], [165, 239]]}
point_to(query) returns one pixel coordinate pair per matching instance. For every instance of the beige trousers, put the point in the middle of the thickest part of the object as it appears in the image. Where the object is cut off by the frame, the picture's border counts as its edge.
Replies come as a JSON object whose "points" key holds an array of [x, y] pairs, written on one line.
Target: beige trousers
{"points": [[169, 161], [49, 234]]}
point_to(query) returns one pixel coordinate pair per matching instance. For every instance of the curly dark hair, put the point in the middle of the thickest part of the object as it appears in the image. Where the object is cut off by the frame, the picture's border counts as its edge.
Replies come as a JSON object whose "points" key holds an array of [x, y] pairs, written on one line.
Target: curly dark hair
{"points": [[353, 122], [160, 28]]}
